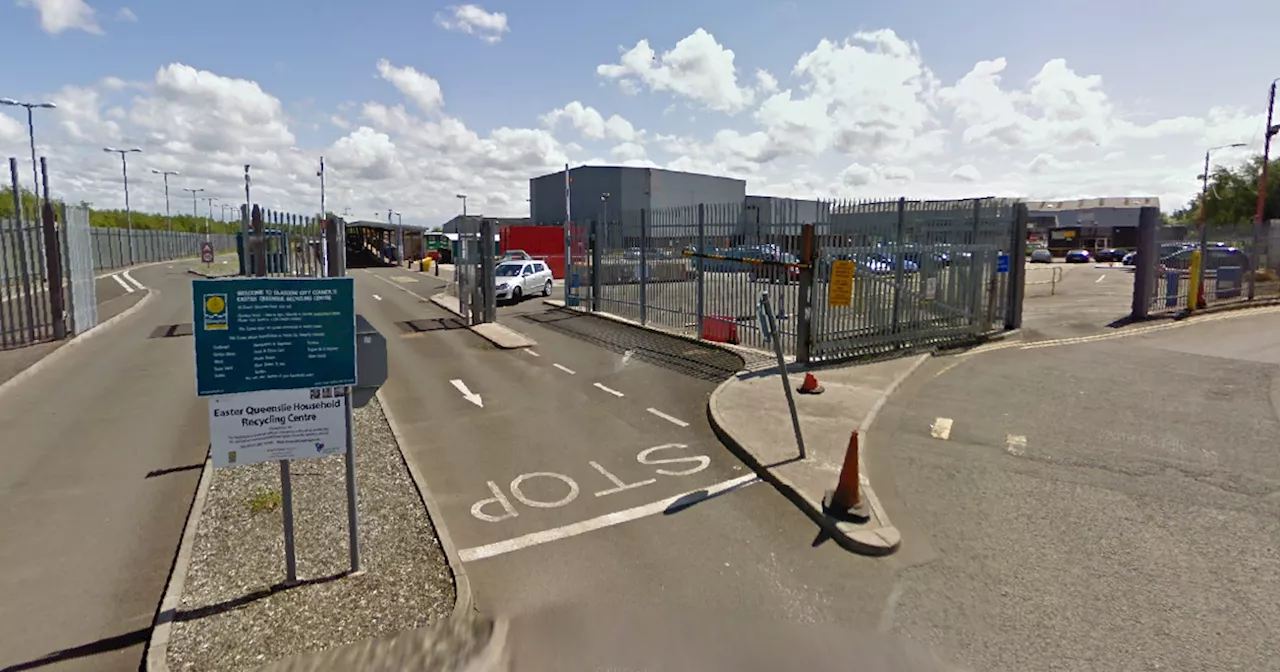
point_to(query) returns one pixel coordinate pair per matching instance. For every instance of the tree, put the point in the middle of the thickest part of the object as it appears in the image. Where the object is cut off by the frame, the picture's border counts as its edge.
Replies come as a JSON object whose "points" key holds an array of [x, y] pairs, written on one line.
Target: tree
{"points": [[116, 219], [1233, 195]]}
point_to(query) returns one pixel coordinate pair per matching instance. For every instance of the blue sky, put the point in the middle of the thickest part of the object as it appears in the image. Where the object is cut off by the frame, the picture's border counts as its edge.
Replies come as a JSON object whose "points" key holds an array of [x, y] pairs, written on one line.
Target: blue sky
{"points": [[319, 59]]}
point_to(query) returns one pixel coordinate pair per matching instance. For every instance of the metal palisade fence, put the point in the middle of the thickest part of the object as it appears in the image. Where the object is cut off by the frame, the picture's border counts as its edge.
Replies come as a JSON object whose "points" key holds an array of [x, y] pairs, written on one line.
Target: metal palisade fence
{"points": [[845, 279], [47, 282], [294, 243], [113, 247]]}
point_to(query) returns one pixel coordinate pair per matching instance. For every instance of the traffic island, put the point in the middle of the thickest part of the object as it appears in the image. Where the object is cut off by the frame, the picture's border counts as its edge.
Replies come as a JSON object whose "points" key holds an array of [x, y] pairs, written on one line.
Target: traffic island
{"points": [[750, 415], [498, 334], [234, 612]]}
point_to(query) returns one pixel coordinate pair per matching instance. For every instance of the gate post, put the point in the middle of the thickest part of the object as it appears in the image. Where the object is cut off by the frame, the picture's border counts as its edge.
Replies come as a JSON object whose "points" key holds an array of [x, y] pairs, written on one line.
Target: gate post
{"points": [[595, 265], [22, 253], [644, 267], [1144, 272], [1017, 268], [975, 267], [698, 266], [486, 282], [53, 261], [804, 294], [899, 263]]}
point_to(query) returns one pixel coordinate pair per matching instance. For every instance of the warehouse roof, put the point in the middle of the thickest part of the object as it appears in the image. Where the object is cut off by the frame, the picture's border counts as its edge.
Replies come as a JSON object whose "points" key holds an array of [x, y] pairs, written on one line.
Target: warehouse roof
{"points": [[1086, 203]]}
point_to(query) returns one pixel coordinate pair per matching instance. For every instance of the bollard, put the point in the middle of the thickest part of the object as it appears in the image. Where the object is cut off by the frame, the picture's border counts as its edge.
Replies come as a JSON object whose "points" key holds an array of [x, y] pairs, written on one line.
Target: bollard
{"points": [[845, 502]]}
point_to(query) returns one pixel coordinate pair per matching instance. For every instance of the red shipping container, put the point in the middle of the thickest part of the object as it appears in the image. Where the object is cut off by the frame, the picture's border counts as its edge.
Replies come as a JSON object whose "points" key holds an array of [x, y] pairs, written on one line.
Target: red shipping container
{"points": [[541, 242]]}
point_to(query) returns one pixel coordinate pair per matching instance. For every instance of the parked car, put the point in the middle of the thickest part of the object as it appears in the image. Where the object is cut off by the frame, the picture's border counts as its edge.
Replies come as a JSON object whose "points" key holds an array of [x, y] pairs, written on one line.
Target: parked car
{"points": [[1078, 256], [1041, 256], [1130, 259], [1110, 254], [774, 273], [516, 255], [1216, 256], [518, 279]]}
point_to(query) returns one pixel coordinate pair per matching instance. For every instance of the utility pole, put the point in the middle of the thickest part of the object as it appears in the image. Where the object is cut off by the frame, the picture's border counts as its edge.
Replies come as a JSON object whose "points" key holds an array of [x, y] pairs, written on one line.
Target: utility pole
{"points": [[1269, 132], [124, 171], [1194, 301]]}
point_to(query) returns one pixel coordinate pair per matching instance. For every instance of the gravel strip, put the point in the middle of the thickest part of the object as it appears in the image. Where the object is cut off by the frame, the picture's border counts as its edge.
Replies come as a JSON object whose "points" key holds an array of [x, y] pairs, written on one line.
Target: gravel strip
{"points": [[234, 616]]}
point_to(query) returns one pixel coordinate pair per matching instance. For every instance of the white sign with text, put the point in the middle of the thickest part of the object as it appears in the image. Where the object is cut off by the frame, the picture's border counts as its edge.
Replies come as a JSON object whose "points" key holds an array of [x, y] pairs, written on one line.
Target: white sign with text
{"points": [[277, 425]]}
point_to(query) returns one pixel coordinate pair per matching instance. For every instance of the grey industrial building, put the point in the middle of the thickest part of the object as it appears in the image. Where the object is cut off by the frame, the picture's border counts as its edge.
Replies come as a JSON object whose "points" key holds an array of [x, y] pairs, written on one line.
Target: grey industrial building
{"points": [[630, 189], [1090, 223]]}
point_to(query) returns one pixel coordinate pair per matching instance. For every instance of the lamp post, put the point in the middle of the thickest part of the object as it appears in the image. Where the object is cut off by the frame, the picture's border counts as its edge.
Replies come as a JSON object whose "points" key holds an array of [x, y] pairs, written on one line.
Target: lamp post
{"points": [[31, 134], [400, 235], [464, 203], [167, 217], [209, 220], [124, 172], [194, 207], [1193, 301]]}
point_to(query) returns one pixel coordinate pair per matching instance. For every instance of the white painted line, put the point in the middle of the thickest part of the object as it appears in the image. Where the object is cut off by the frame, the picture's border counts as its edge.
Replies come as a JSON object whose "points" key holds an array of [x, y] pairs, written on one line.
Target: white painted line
{"points": [[1015, 444], [531, 353], [599, 522], [375, 296], [941, 428], [610, 390], [127, 286], [668, 418], [131, 279], [1100, 278], [564, 368]]}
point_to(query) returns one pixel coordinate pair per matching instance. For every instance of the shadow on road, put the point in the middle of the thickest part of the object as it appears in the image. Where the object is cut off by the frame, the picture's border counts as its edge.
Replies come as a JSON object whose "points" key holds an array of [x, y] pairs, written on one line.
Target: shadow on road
{"points": [[671, 353], [105, 645]]}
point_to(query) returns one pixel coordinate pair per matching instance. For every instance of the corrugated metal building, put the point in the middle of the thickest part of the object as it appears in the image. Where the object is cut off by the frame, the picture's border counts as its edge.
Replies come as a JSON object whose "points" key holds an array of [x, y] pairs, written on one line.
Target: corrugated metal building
{"points": [[1090, 223], [630, 190]]}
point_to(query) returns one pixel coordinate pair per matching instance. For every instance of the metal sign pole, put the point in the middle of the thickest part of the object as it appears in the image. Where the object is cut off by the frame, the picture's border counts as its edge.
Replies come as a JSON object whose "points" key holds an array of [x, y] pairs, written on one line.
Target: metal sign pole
{"points": [[772, 335], [339, 269]]}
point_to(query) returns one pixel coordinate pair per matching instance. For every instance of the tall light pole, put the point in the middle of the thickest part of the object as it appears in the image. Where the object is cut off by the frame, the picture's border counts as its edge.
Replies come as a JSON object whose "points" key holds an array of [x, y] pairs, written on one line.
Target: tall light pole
{"points": [[208, 221], [31, 133], [464, 203], [1267, 134], [324, 216], [400, 235], [1193, 301], [194, 211], [124, 172], [166, 173]]}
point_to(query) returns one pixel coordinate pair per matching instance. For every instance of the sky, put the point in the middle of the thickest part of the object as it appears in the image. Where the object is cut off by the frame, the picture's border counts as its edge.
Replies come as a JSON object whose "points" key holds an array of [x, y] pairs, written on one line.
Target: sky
{"points": [[413, 103]]}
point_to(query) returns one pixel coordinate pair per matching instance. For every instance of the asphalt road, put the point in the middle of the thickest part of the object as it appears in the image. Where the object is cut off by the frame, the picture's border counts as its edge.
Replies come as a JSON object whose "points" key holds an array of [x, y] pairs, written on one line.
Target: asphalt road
{"points": [[1083, 303], [1109, 505], [102, 450], [619, 543]]}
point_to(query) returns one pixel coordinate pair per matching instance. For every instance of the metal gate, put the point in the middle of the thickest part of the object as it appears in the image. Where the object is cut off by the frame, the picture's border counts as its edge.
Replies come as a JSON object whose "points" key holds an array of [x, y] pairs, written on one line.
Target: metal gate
{"points": [[25, 314], [577, 277], [77, 254]]}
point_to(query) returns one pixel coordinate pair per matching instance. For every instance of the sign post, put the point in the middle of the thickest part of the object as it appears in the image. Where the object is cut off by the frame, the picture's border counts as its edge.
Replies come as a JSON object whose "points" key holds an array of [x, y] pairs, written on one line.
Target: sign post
{"points": [[769, 328], [267, 350], [206, 252]]}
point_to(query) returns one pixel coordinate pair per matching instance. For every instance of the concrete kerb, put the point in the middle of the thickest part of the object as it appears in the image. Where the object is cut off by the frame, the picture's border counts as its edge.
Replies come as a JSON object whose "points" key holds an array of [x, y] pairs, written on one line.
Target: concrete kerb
{"points": [[500, 335], [464, 601], [75, 341], [162, 628]]}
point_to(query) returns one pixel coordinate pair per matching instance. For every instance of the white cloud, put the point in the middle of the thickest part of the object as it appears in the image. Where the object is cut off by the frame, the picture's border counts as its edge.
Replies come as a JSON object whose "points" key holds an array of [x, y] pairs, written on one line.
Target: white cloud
{"points": [[474, 20], [59, 15], [421, 89], [966, 173], [126, 14], [698, 68], [590, 123]]}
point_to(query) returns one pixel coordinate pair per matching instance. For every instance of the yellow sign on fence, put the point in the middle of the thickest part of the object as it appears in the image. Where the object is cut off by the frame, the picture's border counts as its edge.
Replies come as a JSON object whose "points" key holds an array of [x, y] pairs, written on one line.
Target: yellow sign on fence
{"points": [[840, 289]]}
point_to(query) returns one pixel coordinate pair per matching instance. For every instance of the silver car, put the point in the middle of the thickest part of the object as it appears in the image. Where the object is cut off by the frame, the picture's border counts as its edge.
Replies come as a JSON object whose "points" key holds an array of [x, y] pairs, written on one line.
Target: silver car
{"points": [[518, 279]]}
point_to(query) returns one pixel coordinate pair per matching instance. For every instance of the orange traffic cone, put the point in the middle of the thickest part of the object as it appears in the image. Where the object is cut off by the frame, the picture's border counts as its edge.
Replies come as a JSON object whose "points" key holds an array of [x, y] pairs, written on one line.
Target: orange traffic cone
{"points": [[845, 502], [810, 385]]}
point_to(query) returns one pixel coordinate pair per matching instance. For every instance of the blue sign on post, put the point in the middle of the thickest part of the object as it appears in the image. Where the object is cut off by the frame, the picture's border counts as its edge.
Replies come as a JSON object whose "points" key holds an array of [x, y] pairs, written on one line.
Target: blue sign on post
{"points": [[255, 334], [1002, 264]]}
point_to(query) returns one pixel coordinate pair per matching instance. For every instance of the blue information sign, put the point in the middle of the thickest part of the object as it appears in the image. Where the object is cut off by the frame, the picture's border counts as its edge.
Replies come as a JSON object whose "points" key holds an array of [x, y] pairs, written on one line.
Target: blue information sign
{"points": [[255, 334], [1002, 264]]}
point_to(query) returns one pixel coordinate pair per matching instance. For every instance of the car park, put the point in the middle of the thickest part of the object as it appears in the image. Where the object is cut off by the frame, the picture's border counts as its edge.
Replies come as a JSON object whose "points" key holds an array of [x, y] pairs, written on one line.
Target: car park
{"points": [[517, 279], [1078, 256], [1041, 256]]}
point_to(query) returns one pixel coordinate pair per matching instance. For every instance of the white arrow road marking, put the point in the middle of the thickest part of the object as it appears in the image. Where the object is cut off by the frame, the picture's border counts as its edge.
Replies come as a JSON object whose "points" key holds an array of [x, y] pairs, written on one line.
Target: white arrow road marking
{"points": [[127, 286], [131, 279], [379, 298], [941, 428], [564, 368], [610, 390], [467, 393]]}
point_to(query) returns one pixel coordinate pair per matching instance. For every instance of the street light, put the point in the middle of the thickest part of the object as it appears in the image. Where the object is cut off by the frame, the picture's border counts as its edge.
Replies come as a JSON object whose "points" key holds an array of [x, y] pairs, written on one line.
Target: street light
{"points": [[1193, 301], [194, 212], [166, 174], [31, 133], [210, 199], [124, 172], [464, 203]]}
